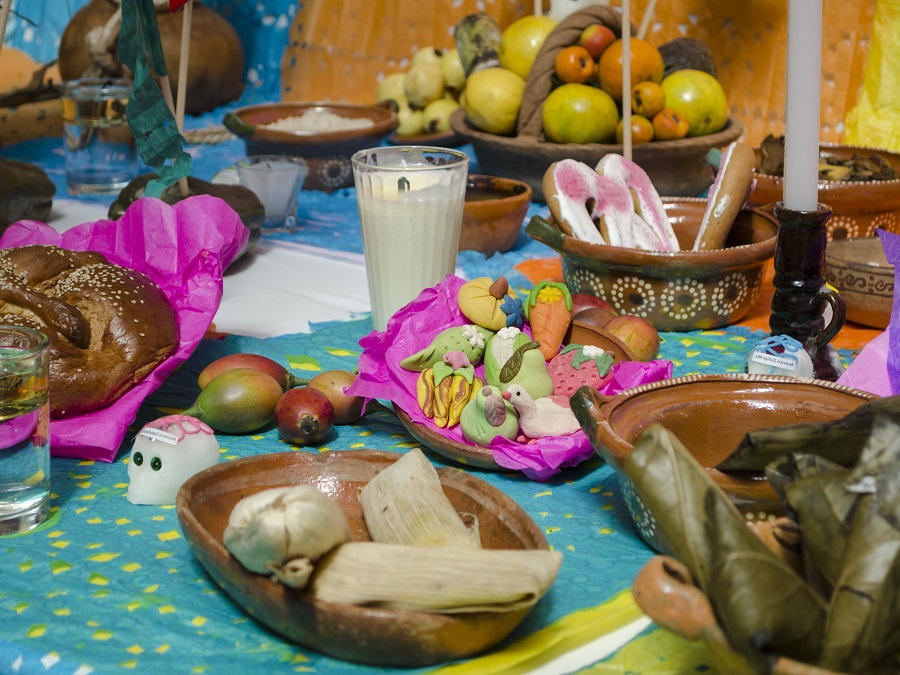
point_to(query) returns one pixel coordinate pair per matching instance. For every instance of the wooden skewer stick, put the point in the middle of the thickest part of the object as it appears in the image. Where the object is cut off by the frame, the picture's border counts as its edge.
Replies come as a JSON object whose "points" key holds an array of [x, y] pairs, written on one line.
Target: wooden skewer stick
{"points": [[183, 62], [645, 20], [166, 85], [4, 17], [538, 7], [626, 79]]}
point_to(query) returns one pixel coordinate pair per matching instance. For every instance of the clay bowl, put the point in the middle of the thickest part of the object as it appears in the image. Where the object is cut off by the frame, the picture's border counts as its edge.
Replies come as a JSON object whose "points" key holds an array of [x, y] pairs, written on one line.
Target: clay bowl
{"points": [[493, 214], [858, 207], [860, 272], [469, 455], [326, 152], [439, 139], [365, 635], [677, 168], [710, 415], [676, 291]]}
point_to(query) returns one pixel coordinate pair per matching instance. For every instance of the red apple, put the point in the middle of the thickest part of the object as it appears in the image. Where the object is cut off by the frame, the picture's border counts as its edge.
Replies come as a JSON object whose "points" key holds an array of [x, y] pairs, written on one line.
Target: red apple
{"points": [[636, 332], [582, 301], [595, 38]]}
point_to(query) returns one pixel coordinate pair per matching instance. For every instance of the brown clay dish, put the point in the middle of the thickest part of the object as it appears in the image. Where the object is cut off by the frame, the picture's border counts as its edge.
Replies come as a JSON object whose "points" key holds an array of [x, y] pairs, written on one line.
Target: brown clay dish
{"points": [[676, 291], [493, 214], [365, 635], [858, 207], [469, 455], [440, 139], [860, 272], [710, 415], [327, 152]]}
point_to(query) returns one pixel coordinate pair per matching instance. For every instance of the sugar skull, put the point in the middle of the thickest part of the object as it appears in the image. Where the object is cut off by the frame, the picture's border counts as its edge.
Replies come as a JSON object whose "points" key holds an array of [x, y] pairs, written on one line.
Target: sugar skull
{"points": [[166, 452]]}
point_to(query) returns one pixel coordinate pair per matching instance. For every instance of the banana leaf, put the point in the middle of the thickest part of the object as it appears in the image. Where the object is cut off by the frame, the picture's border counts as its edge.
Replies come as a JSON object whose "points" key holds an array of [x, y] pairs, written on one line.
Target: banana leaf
{"points": [[794, 466], [823, 507], [755, 593], [840, 441], [880, 456], [853, 641], [765, 608]]}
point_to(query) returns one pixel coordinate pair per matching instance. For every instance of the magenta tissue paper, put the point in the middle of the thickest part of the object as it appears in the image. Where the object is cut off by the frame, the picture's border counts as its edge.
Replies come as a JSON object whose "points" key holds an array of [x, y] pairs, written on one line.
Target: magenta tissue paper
{"points": [[184, 249], [414, 327]]}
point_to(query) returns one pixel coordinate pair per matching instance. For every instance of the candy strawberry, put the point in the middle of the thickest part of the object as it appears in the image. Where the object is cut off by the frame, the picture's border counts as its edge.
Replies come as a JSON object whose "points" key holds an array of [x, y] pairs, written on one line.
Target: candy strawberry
{"points": [[579, 365]]}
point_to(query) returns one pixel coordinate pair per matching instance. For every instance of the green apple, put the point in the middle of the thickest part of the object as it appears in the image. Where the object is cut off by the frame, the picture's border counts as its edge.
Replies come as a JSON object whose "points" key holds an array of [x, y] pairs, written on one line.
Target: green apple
{"points": [[579, 113], [699, 98], [493, 99], [520, 42]]}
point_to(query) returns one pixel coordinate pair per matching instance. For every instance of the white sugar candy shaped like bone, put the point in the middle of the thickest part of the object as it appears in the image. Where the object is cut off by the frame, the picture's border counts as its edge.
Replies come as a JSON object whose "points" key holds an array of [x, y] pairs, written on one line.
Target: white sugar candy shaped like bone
{"points": [[583, 203], [652, 230]]}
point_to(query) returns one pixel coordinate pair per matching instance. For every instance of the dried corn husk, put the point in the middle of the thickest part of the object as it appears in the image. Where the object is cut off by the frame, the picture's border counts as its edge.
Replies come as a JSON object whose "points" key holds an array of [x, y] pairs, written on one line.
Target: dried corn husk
{"points": [[441, 579], [405, 504], [283, 531]]}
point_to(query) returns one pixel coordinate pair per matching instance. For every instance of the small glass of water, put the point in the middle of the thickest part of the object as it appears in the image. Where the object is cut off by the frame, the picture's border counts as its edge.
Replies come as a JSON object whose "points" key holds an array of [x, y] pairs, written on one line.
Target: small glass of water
{"points": [[101, 157], [24, 429]]}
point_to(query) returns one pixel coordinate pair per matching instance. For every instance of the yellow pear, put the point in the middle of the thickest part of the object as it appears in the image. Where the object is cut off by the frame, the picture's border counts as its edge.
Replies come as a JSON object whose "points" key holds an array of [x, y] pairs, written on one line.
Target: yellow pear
{"points": [[493, 99]]}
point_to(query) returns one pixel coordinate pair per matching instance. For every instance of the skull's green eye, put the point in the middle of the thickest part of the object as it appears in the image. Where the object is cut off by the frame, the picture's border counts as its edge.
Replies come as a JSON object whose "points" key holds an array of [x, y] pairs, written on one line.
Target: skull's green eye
{"points": [[137, 458], [156, 463]]}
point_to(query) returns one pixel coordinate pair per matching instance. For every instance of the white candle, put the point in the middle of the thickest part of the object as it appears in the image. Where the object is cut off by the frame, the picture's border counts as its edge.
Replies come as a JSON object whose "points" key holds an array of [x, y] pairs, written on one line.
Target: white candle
{"points": [[804, 72]]}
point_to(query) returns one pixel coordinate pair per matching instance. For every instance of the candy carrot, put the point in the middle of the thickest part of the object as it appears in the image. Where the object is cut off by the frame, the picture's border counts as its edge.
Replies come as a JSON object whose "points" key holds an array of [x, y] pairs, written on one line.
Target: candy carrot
{"points": [[548, 309]]}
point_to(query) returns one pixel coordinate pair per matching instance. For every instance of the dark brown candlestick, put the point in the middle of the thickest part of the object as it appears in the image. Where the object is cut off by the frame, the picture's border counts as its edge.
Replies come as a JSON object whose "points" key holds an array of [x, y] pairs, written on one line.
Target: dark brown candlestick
{"points": [[800, 292]]}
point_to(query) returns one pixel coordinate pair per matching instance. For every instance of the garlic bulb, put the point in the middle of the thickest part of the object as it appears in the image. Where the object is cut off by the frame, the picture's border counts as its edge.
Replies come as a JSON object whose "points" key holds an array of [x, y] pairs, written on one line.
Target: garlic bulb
{"points": [[283, 531]]}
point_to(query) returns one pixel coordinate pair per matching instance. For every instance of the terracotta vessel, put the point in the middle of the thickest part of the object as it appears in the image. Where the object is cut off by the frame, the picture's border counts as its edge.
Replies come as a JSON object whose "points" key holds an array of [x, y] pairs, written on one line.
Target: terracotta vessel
{"points": [[675, 291], [710, 415], [327, 153], [216, 67], [860, 272], [362, 634], [858, 207], [493, 214]]}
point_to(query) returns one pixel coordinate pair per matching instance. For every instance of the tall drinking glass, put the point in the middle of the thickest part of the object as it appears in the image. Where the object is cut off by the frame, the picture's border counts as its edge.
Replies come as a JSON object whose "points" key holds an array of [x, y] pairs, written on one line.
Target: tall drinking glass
{"points": [[101, 157], [410, 202], [24, 429]]}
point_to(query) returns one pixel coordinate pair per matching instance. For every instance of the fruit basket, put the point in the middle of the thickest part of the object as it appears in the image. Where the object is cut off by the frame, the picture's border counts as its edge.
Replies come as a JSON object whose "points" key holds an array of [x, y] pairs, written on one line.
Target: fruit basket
{"points": [[676, 167]]}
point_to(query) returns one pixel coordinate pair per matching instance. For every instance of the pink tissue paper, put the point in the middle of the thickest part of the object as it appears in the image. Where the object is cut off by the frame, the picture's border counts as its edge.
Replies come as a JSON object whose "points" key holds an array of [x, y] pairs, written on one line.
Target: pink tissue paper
{"points": [[877, 368], [184, 249], [415, 326]]}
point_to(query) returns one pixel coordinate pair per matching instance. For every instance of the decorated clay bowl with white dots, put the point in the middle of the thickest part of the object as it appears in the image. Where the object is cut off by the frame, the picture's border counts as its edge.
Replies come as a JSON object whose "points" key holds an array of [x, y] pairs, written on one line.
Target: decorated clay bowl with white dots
{"points": [[857, 207], [327, 149], [710, 415], [676, 291]]}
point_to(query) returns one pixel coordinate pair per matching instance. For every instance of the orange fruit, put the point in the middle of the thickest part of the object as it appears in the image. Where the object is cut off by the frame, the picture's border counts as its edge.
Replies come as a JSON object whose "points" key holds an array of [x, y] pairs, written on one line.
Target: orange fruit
{"points": [[669, 125], [641, 130], [647, 98], [574, 64], [646, 65]]}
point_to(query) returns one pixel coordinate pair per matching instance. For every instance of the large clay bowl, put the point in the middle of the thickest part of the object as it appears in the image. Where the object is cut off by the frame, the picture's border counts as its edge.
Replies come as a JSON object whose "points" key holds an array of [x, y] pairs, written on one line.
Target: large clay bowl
{"points": [[493, 214], [467, 454], [858, 207], [860, 272], [366, 635], [327, 153], [676, 291], [710, 415], [677, 168]]}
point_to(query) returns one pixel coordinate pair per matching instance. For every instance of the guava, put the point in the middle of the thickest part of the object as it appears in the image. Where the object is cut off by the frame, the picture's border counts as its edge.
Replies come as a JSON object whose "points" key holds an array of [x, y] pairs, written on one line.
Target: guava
{"points": [[520, 42], [699, 98], [580, 113], [493, 99]]}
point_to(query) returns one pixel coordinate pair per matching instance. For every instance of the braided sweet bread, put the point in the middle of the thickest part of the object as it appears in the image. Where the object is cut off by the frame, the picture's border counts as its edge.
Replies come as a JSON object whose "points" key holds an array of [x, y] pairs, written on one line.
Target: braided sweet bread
{"points": [[109, 326]]}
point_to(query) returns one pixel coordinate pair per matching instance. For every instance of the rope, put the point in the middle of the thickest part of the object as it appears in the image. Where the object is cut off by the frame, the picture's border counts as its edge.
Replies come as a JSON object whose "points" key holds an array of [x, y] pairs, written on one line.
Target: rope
{"points": [[101, 42], [208, 136]]}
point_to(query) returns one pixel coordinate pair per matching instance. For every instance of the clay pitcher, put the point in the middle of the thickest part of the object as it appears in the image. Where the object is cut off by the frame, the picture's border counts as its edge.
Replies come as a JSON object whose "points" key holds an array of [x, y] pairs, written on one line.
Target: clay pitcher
{"points": [[89, 45]]}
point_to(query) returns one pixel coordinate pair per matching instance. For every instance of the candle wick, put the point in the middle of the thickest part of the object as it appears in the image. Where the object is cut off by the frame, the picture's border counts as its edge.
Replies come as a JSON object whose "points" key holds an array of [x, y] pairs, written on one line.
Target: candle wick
{"points": [[402, 185]]}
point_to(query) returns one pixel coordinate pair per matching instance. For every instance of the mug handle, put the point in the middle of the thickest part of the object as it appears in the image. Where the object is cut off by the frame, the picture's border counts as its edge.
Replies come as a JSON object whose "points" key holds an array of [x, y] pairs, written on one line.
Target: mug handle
{"points": [[838, 316]]}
